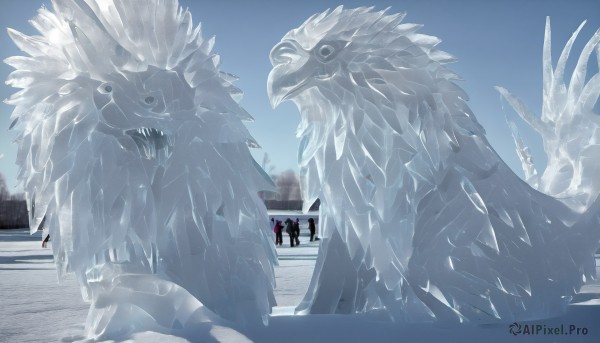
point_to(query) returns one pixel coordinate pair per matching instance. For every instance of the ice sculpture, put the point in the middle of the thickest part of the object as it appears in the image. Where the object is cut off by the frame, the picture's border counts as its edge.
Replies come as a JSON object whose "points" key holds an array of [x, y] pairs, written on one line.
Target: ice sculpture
{"points": [[568, 125], [132, 146], [422, 219]]}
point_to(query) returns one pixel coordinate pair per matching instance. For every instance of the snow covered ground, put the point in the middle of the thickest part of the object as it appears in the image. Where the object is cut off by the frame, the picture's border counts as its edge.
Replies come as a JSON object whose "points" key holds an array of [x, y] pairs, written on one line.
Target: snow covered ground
{"points": [[35, 308]]}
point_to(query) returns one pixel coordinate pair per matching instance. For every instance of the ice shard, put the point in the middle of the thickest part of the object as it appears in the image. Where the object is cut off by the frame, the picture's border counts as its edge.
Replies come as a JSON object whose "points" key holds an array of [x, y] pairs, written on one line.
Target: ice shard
{"points": [[421, 219], [133, 149]]}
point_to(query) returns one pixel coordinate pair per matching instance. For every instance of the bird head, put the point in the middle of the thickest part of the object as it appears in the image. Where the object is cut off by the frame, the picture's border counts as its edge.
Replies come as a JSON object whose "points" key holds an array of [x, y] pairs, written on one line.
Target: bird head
{"points": [[138, 81], [356, 56], [348, 48]]}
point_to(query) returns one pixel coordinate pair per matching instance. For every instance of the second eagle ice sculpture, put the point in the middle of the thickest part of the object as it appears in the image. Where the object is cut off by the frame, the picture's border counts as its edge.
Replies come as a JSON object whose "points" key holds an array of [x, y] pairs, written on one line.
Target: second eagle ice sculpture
{"points": [[422, 219], [134, 156]]}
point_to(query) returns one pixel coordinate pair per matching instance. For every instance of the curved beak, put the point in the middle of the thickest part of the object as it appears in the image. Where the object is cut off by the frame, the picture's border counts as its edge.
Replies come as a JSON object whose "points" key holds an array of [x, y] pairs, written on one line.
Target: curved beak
{"points": [[282, 86], [290, 73], [275, 86]]}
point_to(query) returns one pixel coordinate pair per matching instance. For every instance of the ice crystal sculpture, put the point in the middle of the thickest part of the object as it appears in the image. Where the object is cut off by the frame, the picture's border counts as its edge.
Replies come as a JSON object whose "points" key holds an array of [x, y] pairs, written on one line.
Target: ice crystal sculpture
{"points": [[568, 125], [132, 147], [422, 219]]}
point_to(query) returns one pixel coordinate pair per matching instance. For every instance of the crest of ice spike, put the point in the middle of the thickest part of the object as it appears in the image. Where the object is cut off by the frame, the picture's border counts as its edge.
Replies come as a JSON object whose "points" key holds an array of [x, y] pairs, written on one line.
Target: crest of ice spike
{"points": [[568, 125]]}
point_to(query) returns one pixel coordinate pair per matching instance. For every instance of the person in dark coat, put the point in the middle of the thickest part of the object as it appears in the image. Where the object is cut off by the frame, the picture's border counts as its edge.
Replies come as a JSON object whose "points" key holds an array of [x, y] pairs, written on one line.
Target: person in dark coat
{"points": [[289, 229], [312, 228], [47, 237], [274, 227], [297, 231], [278, 233], [45, 241]]}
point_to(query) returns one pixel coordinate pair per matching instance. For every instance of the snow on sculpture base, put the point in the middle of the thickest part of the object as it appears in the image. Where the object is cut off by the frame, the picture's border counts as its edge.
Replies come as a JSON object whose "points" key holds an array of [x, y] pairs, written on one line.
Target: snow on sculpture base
{"points": [[135, 159], [422, 219], [136, 303]]}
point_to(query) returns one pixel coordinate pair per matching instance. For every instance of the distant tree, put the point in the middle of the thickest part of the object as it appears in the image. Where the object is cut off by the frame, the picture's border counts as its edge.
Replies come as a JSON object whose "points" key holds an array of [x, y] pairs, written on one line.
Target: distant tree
{"points": [[4, 193], [13, 208], [288, 195], [288, 186], [266, 164]]}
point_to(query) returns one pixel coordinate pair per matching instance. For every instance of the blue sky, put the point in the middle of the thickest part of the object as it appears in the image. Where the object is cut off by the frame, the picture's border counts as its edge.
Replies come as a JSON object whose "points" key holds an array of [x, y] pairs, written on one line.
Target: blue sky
{"points": [[496, 42]]}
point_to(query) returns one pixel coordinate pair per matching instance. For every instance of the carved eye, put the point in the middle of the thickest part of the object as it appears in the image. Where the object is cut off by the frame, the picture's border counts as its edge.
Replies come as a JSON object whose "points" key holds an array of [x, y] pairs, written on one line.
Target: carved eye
{"points": [[105, 88], [154, 102], [150, 100], [326, 50]]}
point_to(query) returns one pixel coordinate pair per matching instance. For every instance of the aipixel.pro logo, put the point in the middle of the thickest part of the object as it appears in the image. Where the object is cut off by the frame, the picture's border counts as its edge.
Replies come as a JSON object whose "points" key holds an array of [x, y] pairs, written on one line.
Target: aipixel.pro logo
{"points": [[516, 329]]}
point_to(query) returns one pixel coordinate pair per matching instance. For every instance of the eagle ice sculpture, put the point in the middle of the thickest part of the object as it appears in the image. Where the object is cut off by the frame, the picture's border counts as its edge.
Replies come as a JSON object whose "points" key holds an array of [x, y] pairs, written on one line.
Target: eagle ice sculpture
{"points": [[422, 219], [132, 147]]}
